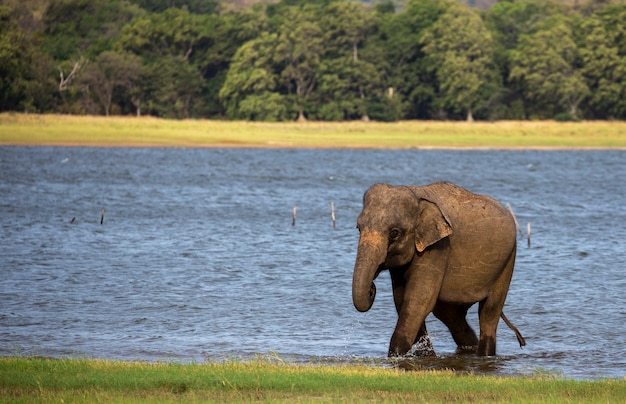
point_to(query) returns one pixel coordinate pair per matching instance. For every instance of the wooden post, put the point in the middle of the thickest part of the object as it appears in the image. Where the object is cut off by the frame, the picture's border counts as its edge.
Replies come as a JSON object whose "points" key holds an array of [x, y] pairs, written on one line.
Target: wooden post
{"points": [[332, 213], [293, 221], [528, 233], [102, 216]]}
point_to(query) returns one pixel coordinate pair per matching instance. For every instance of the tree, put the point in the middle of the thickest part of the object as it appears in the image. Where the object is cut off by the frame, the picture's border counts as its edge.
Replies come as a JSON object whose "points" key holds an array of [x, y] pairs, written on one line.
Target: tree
{"points": [[25, 14], [171, 88], [265, 107], [108, 73], [345, 89], [174, 32], [299, 49], [407, 73], [227, 33], [206, 42], [461, 48], [613, 17], [604, 70], [75, 28], [250, 90], [173, 45], [316, 59], [346, 81], [193, 6], [74, 33], [345, 26], [26, 82], [544, 64], [15, 54], [507, 21]]}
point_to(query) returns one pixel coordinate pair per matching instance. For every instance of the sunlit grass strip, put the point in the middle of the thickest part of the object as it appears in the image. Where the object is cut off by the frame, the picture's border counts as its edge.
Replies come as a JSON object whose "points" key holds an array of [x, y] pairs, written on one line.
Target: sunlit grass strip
{"points": [[82, 380], [22, 129]]}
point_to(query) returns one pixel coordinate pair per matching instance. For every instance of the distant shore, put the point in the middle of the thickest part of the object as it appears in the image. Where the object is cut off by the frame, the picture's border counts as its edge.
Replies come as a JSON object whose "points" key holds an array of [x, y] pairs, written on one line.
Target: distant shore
{"points": [[117, 131]]}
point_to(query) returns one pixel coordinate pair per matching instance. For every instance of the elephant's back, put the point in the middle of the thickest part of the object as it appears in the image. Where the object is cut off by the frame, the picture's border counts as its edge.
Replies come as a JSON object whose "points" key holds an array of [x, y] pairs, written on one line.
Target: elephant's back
{"points": [[456, 201], [482, 241], [478, 222]]}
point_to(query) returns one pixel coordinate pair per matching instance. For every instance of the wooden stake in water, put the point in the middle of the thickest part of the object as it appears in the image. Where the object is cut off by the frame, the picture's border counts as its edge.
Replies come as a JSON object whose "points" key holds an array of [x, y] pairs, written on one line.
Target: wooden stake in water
{"points": [[332, 213], [528, 233], [293, 221], [102, 216]]}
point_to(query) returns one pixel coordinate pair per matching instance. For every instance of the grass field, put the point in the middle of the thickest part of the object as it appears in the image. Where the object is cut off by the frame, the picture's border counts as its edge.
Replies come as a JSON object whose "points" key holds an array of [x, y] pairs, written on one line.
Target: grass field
{"points": [[23, 129], [82, 380]]}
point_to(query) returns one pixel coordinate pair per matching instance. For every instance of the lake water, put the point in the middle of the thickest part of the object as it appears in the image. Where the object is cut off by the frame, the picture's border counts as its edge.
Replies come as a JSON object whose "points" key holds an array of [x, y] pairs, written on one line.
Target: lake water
{"points": [[197, 258]]}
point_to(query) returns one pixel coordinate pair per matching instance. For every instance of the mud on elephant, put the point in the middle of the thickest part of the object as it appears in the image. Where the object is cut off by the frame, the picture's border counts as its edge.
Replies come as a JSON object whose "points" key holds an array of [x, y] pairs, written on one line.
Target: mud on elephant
{"points": [[446, 249]]}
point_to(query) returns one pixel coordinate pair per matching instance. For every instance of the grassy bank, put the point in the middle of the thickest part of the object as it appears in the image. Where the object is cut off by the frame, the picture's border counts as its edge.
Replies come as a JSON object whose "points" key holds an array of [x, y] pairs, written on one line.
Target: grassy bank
{"points": [[22, 129], [79, 380]]}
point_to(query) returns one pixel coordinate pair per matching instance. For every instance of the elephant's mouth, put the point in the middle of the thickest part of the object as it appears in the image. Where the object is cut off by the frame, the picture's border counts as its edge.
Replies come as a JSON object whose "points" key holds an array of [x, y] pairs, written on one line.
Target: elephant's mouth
{"points": [[379, 270], [396, 261]]}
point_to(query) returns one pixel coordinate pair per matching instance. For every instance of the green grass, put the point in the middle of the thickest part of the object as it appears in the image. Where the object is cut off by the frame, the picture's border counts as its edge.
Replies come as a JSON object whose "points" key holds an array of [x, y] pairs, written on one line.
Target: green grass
{"points": [[83, 380], [23, 129]]}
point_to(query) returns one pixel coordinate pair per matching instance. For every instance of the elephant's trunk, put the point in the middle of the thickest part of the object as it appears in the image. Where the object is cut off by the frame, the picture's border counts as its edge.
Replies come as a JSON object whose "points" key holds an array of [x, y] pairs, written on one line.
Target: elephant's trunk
{"points": [[370, 257]]}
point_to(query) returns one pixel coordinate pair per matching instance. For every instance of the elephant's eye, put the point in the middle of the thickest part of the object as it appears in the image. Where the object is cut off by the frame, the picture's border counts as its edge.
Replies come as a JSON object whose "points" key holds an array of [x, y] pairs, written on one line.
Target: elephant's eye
{"points": [[395, 234]]}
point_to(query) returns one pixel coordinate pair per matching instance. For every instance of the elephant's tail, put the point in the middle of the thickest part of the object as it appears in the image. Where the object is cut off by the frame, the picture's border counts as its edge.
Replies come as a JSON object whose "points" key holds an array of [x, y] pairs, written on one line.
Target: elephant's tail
{"points": [[518, 334]]}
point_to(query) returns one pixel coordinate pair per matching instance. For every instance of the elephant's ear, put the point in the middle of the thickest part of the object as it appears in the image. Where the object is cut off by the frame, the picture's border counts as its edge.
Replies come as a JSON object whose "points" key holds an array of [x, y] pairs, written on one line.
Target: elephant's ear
{"points": [[432, 225]]}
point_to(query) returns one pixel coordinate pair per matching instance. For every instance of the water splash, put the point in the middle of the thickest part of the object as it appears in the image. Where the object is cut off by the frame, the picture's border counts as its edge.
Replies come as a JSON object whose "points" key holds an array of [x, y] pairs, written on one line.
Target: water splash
{"points": [[422, 348]]}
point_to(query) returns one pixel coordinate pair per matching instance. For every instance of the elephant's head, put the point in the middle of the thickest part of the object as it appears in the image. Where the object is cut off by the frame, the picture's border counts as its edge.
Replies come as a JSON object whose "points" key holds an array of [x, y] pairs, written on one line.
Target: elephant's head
{"points": [[395, 224]]}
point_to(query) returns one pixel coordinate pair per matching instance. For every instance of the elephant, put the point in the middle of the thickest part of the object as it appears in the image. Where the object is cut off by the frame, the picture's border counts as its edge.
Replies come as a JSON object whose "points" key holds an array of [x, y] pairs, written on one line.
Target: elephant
{"points": [[446, 249]]}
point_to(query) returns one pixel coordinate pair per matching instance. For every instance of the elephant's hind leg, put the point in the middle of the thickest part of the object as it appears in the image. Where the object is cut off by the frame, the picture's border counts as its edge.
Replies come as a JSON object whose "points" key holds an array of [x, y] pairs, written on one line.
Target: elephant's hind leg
{"points": [[490, 309], [453, 316]]}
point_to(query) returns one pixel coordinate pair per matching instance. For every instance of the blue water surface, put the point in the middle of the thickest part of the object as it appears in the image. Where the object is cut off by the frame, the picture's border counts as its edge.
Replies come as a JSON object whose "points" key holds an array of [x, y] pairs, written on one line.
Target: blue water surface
{"points": [[197, 258]]}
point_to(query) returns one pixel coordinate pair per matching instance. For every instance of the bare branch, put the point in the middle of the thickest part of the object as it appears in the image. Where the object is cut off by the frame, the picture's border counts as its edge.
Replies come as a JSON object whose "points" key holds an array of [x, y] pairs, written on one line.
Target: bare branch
{"points": [[64, 82]]}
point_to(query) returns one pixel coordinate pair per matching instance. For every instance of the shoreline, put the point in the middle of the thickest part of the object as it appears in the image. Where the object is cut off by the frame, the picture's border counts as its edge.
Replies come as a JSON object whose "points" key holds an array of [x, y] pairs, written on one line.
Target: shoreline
{"points": [[321, 147]]}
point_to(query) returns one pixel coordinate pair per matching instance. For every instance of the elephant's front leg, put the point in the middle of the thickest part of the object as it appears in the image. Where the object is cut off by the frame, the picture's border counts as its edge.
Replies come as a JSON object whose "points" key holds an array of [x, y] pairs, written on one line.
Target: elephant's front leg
{"points": [[422, 346], [415, 292]]}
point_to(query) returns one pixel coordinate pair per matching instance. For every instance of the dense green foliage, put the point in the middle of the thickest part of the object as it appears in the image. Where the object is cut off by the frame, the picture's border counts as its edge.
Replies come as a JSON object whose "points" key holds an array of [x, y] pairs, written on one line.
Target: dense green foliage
{"points": [[317, 60]]}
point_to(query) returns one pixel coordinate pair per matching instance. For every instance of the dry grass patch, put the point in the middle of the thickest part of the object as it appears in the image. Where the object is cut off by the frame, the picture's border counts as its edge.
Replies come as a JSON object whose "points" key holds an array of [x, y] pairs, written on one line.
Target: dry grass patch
{"points": [[21, 129]]}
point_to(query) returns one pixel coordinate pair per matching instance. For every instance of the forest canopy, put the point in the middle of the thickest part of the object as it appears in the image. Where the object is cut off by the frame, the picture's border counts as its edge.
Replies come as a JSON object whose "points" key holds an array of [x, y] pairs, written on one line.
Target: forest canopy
{"points": [[315, 59]]}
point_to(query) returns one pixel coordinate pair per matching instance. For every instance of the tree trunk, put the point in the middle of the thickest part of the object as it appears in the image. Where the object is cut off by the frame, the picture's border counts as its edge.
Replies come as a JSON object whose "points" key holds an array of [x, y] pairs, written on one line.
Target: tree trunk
{"points": [[470, 117], [107, 105], [364, 116], [301, 117], [573, 110], [136, 101]]}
